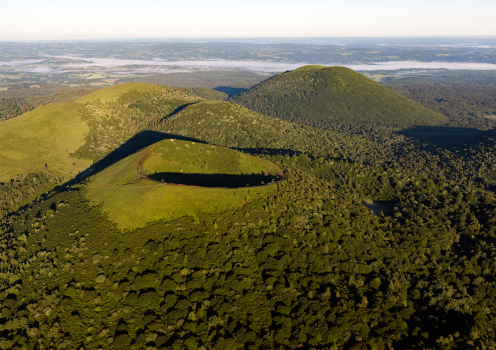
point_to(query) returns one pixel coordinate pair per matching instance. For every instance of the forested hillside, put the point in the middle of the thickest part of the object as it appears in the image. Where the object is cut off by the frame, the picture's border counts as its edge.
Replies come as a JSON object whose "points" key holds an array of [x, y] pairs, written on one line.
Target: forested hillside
{"points": [[466, 105], [336, 94], [306, 267], [208, 94], [168, 221]]}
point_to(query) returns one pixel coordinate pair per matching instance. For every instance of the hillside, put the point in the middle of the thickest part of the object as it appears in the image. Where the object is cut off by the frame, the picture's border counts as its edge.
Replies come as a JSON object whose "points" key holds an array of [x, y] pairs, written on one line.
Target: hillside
{"points": [[256, 275], [467, 159], [467, 105], [231, 125], [182, 178], [42, 141], [65, 138], [15, 102], [120, 112], [335, 94], [206, 225], [113, 93], [56, 142], [207, 94]]}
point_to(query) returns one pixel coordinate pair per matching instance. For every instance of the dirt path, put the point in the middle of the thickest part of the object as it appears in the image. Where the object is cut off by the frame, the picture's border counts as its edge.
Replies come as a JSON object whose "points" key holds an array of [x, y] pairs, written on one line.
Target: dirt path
{"points": [[143, 159]]}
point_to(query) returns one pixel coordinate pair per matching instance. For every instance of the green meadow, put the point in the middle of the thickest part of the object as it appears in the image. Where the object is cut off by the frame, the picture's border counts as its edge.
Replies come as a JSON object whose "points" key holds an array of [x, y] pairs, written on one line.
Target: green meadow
{"points": [[132, 202], [42, 141]]}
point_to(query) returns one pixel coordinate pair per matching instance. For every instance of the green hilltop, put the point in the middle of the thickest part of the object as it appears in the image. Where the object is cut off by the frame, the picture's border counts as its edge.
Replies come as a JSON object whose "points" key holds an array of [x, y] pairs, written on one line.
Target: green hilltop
{"points": [[306, 68], [113, 93], [132, 201], [320, 94]]}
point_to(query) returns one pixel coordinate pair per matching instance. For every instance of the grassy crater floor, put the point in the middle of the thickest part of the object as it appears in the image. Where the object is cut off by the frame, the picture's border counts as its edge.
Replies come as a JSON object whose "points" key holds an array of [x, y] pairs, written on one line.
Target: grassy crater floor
{"points": [[215, 179], [198, 164]]}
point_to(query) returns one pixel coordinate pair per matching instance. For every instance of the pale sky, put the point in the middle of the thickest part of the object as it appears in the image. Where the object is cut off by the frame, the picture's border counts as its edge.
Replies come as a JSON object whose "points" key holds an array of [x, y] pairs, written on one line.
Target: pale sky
{"points": [[96, 19]]}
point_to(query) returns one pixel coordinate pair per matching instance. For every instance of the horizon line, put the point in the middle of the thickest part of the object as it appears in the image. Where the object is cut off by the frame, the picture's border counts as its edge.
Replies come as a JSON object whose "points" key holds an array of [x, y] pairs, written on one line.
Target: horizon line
{"points": [[233, 39]]}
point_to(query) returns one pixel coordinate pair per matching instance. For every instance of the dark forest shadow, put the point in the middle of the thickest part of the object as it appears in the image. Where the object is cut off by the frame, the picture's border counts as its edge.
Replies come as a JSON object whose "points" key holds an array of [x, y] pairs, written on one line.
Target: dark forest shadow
{"points": [[231, 91], [177, 110], [135, 144], [378, 207], [215, 180], [445, 323], [269, 151], [446, 137]]}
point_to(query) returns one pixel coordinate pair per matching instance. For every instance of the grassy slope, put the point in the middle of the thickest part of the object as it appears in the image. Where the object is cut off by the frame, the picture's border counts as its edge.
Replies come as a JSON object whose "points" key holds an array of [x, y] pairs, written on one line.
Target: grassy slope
{"points": [[49, 134], [70, 137], [132, 202], [121, 173], [114, 92], [114, 123], [15, 102], [46, 135], [334, 94], [190, 157]]}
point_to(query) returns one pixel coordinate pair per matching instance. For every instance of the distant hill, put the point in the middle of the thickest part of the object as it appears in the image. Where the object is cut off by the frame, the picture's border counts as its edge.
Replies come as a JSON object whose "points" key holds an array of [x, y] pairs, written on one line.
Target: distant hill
{"points": [[319, 94]]}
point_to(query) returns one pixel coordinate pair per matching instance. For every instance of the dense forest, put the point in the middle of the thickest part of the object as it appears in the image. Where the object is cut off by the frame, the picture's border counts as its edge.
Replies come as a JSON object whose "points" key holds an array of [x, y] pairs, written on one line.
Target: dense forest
{"points": [[309, 267], [465, 105], [336, 94], [379, 236]]}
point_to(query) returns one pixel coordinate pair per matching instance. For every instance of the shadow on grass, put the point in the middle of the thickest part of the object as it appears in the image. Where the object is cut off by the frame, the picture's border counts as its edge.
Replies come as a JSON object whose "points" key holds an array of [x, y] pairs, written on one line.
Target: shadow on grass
{"points": [[131, 146], [215, 180], [135, 144], [147, 138]]}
